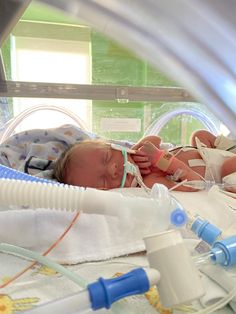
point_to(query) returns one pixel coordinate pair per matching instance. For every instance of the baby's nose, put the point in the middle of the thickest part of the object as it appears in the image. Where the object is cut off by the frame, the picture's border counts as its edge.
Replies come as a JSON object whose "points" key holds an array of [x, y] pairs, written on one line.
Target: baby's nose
{"points": [[113, 170]]}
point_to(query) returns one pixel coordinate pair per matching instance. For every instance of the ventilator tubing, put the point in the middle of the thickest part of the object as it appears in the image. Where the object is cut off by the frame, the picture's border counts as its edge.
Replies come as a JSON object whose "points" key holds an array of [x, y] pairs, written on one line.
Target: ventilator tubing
{"points": [[159, 210], [35, 195]]}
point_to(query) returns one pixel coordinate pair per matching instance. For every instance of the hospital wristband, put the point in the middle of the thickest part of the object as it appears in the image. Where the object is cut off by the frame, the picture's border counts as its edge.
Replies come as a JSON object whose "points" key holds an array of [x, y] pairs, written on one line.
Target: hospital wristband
{"points": [[162, 160]]}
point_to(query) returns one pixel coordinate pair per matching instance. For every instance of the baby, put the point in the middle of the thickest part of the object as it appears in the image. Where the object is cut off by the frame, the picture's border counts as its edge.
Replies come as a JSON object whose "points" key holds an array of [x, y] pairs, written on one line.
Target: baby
{"points": [[100, 165], [97, 164]]}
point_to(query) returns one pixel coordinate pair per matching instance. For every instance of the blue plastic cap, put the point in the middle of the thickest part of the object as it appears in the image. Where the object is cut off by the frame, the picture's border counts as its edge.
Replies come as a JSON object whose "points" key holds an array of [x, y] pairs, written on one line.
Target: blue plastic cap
{"points": [[206, 231], [224, 252], [106, 291], [178, 217]]}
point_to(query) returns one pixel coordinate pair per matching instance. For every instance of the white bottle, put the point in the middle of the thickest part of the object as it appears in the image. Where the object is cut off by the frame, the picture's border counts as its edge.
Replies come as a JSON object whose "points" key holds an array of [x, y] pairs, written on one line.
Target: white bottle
{"points": [[180, 280]]}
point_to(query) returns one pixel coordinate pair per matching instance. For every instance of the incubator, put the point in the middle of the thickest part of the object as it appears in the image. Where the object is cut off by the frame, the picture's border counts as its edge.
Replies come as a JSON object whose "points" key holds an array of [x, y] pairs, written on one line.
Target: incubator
{"points": [[150, 27]]}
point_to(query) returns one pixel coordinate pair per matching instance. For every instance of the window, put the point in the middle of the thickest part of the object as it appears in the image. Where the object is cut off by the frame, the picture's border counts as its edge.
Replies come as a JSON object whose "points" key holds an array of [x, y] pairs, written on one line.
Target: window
{"points": [[54, 54]]}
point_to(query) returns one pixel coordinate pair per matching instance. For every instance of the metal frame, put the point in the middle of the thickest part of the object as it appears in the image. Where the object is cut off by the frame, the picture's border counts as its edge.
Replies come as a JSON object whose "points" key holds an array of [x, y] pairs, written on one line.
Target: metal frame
{"points": [[94, 92], [10, 13]]}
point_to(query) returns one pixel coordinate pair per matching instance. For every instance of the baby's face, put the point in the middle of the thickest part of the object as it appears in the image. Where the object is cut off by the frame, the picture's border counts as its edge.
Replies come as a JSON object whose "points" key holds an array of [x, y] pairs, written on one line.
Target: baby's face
{"points": [[97, 165]]}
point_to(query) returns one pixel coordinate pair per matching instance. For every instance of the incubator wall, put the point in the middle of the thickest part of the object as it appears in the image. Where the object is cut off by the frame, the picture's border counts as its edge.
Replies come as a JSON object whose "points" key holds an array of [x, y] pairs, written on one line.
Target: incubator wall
{"points": [[50, 39]]}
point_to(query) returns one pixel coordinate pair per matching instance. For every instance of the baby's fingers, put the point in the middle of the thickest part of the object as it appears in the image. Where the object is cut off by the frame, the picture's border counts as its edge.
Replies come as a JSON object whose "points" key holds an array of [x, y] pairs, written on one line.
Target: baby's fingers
{"points": [[142, 161], [143, 165], [139, 153]]}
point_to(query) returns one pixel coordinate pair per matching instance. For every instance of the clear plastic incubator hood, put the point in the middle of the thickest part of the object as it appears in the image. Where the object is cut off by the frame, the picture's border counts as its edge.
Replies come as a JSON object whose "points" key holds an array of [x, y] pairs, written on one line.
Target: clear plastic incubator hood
{"points": [[194, 42]]}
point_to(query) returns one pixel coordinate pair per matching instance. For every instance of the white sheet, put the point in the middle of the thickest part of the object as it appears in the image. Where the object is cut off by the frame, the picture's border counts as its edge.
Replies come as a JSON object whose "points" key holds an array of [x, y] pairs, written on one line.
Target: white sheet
{"points": [[34, 230]]}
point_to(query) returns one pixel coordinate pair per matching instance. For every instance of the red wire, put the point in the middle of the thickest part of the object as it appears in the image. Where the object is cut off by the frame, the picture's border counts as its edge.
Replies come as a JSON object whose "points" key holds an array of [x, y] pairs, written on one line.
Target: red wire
{"points": [[44, 254]]}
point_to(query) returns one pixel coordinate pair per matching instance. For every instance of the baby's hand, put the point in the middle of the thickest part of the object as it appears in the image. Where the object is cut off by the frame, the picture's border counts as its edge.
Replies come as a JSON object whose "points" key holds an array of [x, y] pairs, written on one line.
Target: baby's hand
{"points": [[145, 156], [142, 161], [150, 151]]}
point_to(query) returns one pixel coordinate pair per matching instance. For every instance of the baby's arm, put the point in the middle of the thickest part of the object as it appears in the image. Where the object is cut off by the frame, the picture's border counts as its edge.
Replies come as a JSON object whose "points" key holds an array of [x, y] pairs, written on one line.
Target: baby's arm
{"points": [[155, 140], [162, 164], [204, 137], [151, 179]]}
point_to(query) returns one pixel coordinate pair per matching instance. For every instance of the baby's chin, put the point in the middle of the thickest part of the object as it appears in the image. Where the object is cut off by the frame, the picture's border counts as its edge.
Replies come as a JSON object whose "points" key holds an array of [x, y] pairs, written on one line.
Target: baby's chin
{"points": [[130, 181]]}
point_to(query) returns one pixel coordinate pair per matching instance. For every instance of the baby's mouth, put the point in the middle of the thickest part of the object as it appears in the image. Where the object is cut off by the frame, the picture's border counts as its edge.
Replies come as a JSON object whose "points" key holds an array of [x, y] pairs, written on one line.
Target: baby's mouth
{"points": [[129, 180]]}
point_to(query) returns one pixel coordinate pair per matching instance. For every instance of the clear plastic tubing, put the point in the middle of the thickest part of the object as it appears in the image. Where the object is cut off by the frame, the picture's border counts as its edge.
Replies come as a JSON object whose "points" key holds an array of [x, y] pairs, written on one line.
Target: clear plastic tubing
{"points": [[223, 249], [160, 122], [206, 185], [35, 193], [171, 213], [18, 119], [223, 252]]}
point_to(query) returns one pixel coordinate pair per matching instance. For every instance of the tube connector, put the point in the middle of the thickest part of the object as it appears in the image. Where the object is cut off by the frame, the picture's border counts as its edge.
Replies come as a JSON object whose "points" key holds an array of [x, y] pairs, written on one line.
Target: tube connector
{"points": [[104, 292], [205, 230], [178, 217], [224, 252]]}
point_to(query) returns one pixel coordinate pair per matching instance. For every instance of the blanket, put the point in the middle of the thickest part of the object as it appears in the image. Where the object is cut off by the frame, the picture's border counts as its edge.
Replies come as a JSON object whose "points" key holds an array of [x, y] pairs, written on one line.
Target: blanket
{"points": [[35, 151]]}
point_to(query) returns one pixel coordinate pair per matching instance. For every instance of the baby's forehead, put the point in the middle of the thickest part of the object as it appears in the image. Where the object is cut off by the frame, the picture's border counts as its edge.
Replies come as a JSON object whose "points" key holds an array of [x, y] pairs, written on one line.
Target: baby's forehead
{"points": [[86, 147]]}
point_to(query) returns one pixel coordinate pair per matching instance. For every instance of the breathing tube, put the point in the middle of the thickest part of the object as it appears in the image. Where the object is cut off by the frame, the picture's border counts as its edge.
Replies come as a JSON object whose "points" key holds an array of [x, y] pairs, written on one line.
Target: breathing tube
{"points": [[129, 167], [23, 190], [207, 185]]}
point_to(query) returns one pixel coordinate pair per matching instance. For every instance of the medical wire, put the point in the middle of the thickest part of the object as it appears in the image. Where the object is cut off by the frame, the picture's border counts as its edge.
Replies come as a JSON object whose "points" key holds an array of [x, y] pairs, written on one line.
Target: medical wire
{"points": [[180, 171], [206, 185], [54, 244], [25, 253]]}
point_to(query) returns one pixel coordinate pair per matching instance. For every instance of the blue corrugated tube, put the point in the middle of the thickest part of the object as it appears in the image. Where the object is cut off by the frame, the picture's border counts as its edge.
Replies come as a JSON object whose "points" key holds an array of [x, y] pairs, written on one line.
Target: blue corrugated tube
{"points": [[9, 173]]}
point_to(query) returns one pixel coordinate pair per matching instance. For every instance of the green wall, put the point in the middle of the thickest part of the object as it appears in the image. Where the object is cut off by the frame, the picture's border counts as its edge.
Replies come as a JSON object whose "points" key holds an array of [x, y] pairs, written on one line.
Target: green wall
{"points": [[111, 65]]}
